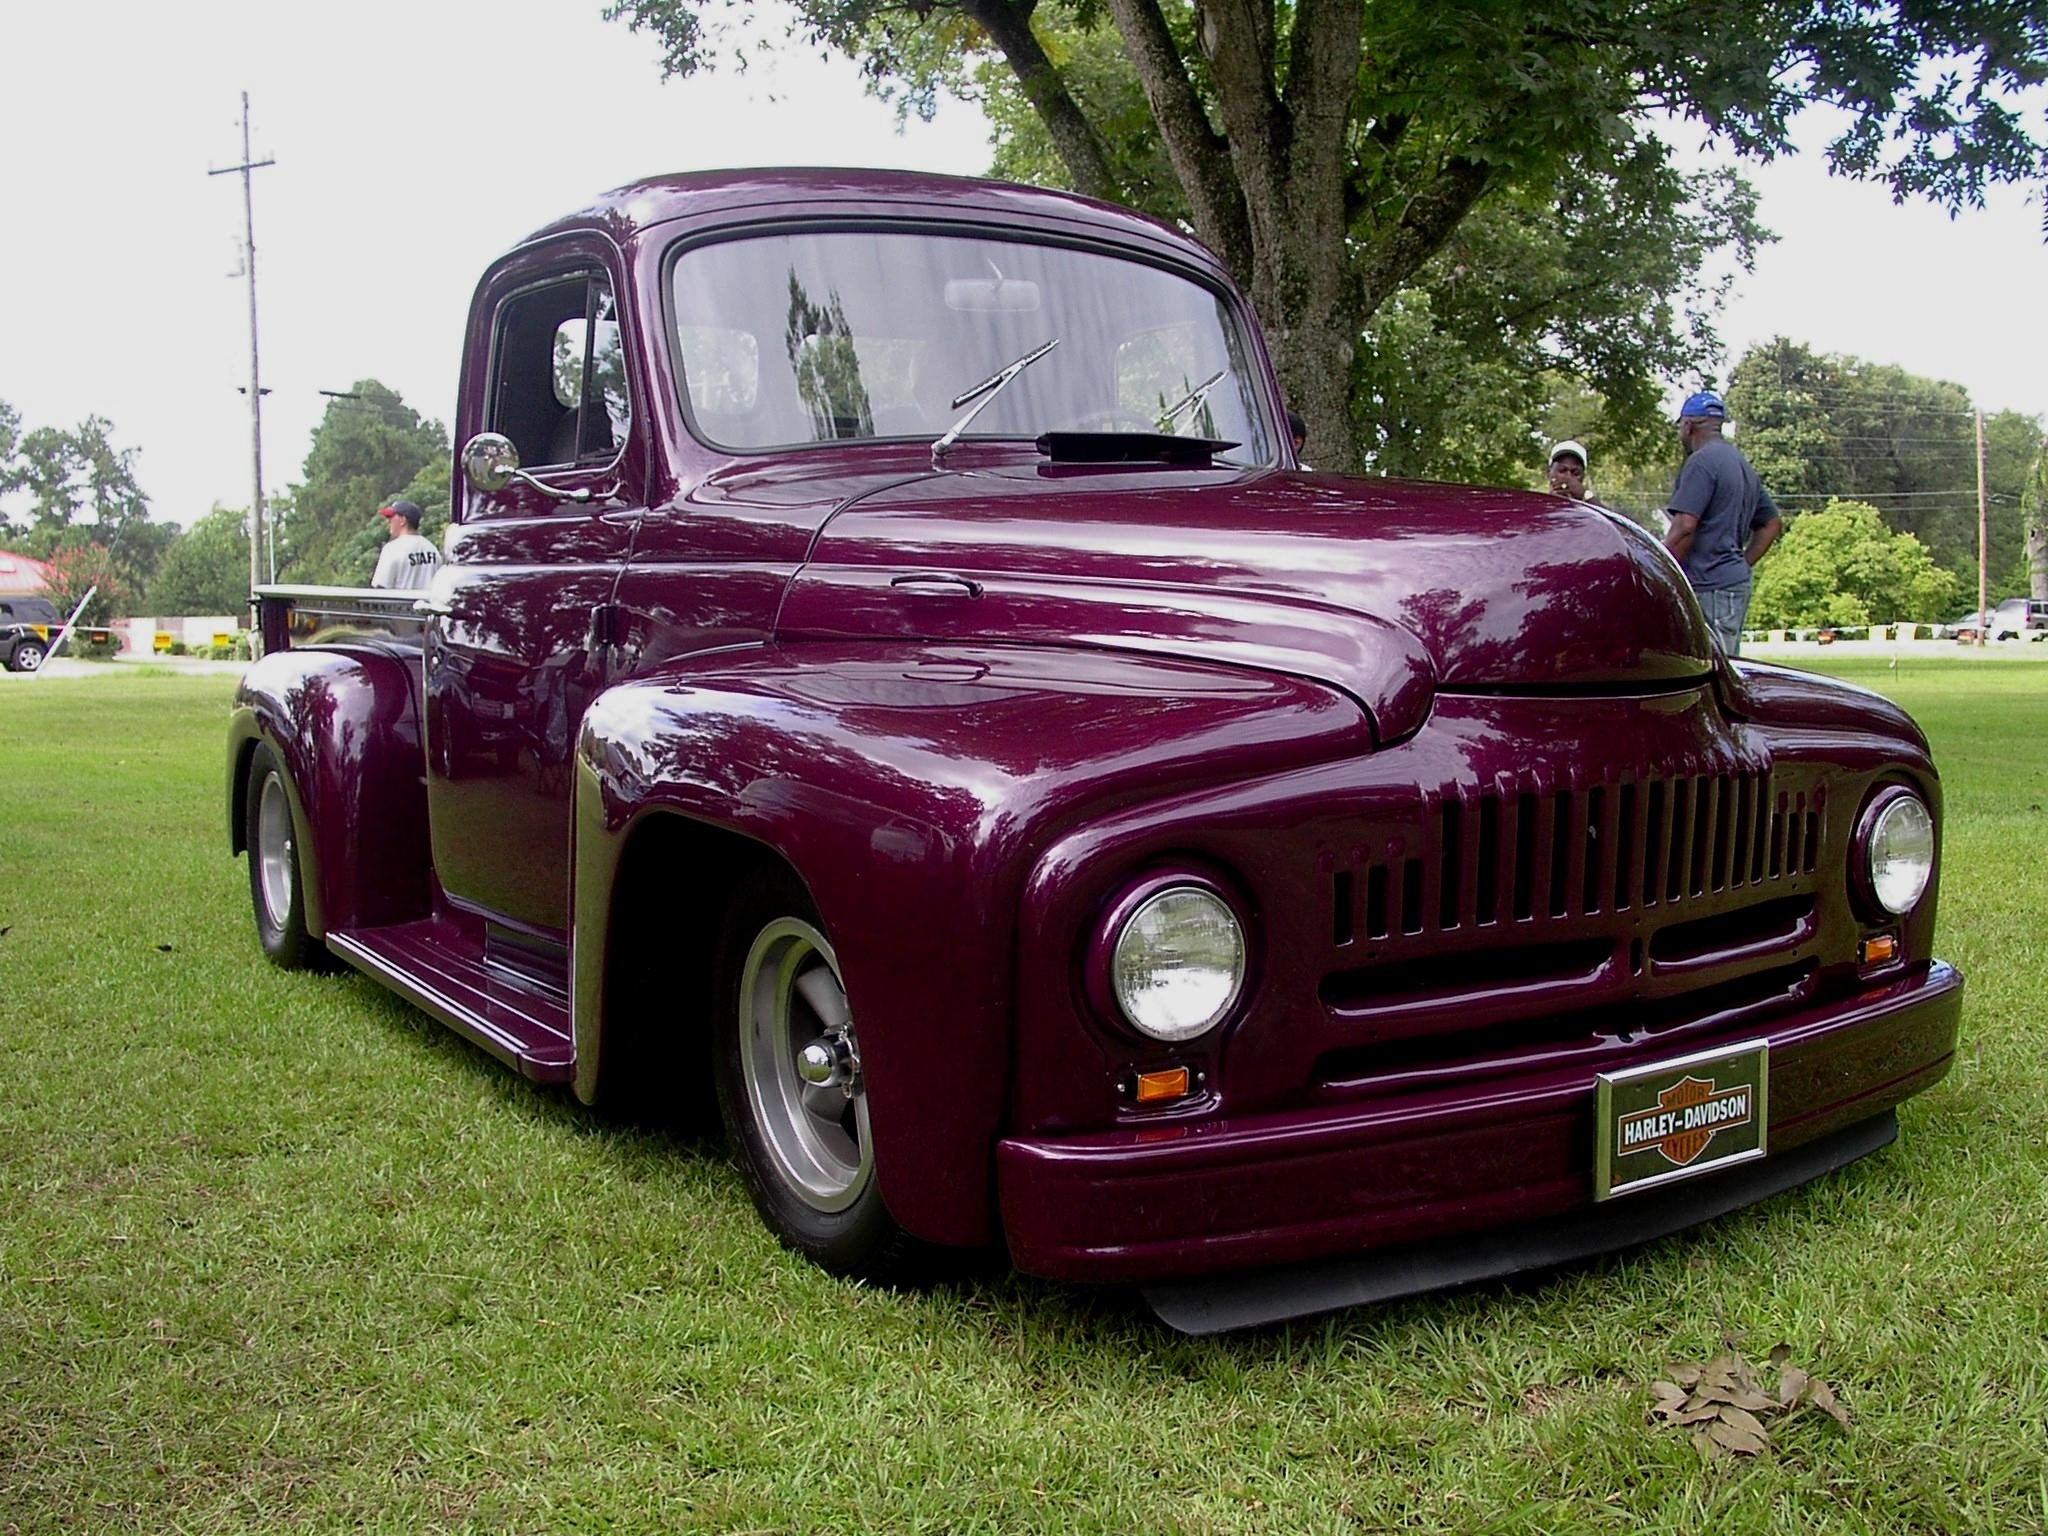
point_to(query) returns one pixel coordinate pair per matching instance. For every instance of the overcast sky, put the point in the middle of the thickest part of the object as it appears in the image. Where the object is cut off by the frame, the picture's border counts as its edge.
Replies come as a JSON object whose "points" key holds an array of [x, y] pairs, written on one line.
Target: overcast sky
{"points": [[415, 141]]}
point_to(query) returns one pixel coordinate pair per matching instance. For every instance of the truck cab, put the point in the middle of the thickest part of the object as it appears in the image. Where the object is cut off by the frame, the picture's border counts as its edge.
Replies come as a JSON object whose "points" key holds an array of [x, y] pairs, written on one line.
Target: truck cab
{"points": [[891, 681]]}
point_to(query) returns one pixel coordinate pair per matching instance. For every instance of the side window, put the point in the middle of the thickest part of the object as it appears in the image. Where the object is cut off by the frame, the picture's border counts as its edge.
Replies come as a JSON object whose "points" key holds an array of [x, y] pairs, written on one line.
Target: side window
{"points": [[559, 388]]}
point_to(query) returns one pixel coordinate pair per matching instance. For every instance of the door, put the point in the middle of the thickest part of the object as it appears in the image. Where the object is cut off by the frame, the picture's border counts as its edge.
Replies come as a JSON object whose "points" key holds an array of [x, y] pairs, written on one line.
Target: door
{"points": [[513, 654]]}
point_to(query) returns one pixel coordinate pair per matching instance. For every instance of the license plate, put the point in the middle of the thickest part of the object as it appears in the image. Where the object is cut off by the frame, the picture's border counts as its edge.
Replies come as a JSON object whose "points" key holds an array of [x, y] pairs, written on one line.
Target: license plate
{"points": [[1674, 1119]]}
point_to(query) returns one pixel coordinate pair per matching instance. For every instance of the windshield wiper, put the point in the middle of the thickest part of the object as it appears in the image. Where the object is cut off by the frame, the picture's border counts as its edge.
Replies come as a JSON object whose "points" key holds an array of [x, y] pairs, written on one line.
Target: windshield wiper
{"points": [[1190, 400], [985, 392]]}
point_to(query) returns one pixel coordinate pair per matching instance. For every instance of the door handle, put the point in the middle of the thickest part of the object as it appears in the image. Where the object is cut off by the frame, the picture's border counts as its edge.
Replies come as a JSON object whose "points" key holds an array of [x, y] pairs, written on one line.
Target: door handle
{"points": [[936, 583]]}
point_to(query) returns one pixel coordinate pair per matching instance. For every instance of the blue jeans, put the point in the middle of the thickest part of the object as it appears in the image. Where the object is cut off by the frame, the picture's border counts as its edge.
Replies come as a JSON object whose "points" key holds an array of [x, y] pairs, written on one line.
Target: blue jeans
{"points": [[1725, 608]]}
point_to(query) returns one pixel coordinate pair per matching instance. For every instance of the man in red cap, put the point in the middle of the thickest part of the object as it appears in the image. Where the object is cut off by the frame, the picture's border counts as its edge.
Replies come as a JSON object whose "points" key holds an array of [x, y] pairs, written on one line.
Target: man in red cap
{"points": [[407, 560]]}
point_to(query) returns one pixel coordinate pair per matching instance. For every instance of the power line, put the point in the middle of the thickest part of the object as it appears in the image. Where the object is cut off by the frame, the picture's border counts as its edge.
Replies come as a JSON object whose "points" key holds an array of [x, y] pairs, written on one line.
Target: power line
{"points": [[1854, 399], [1866, 495], [1961, 442]]}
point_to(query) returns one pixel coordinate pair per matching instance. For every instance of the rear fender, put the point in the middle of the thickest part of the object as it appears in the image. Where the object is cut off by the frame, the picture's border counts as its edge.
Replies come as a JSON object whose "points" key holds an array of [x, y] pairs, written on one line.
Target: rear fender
{"points": [[908, 787], [345, 725]]}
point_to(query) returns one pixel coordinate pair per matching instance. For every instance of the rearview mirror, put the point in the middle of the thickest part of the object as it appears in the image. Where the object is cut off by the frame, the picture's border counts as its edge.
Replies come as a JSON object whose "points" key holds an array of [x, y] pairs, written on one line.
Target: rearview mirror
{"points": [[991, 295], [489, 461]]}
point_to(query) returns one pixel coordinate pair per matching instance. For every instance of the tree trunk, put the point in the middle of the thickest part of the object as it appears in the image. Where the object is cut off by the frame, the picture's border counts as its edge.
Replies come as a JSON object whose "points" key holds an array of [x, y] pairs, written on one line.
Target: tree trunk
{"points": [[1269, 192], [2037, 556], [1313, 358], [1008, 24]]}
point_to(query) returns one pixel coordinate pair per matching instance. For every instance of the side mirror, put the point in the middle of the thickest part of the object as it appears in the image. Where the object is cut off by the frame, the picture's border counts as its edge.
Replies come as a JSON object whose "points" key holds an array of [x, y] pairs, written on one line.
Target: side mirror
{"points": [[490, 462]]}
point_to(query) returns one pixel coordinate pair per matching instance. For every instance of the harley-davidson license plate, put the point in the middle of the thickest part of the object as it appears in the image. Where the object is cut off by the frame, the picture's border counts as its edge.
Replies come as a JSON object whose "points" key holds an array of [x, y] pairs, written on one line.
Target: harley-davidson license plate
{"points": [[1674, 1119]]}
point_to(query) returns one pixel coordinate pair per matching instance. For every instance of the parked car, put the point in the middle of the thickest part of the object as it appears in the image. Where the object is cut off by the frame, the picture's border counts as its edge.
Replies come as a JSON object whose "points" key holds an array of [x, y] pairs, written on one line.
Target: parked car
{"points": [[29, 628], [891, 676], [2017, 618]]}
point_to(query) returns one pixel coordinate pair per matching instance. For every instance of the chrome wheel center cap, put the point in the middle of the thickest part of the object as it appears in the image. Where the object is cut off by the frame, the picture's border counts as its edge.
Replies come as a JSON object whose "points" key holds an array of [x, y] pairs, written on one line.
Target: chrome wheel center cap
{"points": [[829, 1062]]}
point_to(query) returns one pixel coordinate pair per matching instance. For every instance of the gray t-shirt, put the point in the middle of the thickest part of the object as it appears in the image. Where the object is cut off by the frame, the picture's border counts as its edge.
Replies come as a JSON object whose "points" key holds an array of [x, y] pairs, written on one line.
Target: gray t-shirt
{"points": [[407, 561], [1717, 486]]}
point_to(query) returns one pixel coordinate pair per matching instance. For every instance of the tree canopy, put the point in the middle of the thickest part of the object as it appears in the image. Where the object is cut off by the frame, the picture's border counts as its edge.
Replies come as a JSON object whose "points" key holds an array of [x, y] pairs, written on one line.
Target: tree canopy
{"points": [[1821, 426], [1328, 151], [206, 570], [67, 489], [369, 448], [76, 569]]}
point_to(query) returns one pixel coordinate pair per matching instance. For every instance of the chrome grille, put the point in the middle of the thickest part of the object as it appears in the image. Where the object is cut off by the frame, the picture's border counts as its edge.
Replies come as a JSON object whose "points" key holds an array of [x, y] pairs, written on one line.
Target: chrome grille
{"points": [[1487, 857]]}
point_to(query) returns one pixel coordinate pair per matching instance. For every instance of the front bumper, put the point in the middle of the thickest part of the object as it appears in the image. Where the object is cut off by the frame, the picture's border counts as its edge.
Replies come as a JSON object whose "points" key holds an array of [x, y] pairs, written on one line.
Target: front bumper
{"points": [[1146, 1203]]}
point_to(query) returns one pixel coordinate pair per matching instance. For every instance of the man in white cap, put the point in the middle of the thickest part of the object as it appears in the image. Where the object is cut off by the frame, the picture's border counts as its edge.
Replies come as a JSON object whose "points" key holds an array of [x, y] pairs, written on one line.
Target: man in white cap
{"points": [[1568, 471], [407, 560]]}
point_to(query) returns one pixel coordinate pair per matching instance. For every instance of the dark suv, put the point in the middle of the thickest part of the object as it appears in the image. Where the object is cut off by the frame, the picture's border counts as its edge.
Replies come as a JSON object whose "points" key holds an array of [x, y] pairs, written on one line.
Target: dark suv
{"points": [[27, 625]]}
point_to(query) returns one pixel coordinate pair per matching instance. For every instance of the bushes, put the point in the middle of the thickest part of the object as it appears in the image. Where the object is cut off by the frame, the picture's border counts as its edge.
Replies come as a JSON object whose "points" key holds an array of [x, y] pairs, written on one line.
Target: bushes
{"points": [[91, 645], [1842, 567], [236, 649]]}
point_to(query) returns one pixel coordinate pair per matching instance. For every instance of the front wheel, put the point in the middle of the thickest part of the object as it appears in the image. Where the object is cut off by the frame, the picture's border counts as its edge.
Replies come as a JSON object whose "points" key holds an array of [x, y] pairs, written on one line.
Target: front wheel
{"points": [[275, 888], [28, 656], [792, 1094]]}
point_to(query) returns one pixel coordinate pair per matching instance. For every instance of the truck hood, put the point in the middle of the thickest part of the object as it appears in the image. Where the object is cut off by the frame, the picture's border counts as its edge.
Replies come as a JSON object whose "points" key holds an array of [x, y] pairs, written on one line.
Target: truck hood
{"points": [[1390, 590]]}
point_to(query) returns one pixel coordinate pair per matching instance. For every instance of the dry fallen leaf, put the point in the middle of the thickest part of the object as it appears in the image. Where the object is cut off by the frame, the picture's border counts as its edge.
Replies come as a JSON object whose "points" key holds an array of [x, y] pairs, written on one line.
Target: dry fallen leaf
{"points": [[1736, 1439], [1723, 1406], [1822, 1397]]}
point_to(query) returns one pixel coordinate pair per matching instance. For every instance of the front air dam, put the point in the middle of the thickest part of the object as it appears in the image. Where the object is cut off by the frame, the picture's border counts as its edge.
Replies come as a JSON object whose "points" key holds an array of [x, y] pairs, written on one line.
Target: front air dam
{"points": [[1219, 1303]]}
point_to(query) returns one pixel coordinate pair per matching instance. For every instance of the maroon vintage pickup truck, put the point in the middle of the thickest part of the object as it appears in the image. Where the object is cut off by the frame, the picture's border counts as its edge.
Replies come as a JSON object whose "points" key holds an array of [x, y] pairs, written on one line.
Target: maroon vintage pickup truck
{"points": [[891, 677]]}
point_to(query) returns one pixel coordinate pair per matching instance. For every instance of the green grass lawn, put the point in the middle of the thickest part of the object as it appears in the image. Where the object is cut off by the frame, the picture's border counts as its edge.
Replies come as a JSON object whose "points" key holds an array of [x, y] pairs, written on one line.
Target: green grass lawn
{"points": [[277, 1251]]}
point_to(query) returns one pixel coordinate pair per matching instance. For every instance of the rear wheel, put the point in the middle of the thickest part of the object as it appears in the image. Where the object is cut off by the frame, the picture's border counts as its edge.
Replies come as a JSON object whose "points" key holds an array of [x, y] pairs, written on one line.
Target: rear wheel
{"points": [[791, 1090], [28, 656], [275, 888]]}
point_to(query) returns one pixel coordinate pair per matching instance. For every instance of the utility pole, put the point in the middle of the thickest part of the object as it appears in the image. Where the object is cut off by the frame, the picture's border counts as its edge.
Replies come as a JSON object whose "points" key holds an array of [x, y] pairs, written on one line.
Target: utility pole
{"points": [[1983, 540], [248, 166]]}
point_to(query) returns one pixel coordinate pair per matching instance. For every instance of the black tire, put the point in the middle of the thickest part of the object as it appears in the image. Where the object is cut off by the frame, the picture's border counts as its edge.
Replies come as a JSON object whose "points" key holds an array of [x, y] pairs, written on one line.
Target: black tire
{"points": [[809, 1169], [276, 892], [28, 656]]}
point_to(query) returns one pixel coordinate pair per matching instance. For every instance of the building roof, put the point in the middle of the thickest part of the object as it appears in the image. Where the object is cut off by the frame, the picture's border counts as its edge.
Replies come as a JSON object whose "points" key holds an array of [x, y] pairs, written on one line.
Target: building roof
{"points": [[20, 574]]}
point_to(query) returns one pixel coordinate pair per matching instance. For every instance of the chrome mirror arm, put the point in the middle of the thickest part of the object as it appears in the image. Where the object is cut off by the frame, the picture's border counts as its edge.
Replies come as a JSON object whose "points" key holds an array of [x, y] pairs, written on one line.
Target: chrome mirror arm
{"points": [[579, 495], [490, 463]]}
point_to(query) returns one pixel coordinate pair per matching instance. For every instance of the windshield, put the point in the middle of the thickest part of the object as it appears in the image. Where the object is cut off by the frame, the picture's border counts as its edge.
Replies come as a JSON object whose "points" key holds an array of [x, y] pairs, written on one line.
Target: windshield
{"points": [[825, 336]]}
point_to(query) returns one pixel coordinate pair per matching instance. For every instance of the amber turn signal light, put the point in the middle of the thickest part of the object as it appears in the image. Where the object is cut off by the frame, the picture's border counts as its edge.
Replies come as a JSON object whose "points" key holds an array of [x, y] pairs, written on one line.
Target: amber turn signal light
{"points": [[1157, 1087], [1879, 950]]}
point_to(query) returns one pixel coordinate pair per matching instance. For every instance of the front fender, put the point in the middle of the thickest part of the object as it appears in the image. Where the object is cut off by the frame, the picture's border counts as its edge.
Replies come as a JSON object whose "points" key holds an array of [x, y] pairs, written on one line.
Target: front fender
{"points": [[1788, 699], [345, 725], [909, 787]]}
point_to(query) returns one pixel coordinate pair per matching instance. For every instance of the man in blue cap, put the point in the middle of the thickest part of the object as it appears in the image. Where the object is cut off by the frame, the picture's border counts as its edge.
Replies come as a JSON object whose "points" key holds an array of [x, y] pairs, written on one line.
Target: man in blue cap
{"points": [[1722, 518]]}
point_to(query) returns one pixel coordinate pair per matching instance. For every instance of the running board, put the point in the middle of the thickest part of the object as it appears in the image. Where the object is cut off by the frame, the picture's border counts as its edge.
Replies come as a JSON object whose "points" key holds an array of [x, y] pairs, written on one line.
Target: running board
{"points": [[516, 1021], [1219, 1303]]}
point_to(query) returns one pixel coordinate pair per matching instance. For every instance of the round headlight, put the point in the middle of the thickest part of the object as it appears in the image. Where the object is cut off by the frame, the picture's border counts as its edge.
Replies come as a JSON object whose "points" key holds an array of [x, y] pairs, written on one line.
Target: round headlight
{"points": [[1901, 853], [1178, 963]]}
